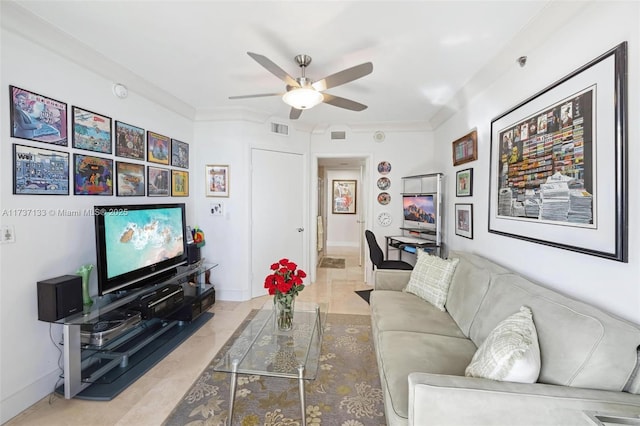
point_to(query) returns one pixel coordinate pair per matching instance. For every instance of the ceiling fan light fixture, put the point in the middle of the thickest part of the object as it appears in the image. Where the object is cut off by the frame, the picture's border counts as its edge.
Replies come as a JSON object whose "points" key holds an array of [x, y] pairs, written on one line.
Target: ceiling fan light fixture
{"points": [[302, 98]]}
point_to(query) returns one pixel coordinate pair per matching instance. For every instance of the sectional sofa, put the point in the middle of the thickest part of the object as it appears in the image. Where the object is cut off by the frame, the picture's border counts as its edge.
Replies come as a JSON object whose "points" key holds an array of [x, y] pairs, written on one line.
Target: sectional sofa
{"points": [[589, 359]]}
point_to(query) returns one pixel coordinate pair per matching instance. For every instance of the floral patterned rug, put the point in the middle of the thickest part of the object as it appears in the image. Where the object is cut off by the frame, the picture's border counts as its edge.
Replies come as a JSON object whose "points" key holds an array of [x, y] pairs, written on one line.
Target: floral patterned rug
{"points": [[346, 391]]}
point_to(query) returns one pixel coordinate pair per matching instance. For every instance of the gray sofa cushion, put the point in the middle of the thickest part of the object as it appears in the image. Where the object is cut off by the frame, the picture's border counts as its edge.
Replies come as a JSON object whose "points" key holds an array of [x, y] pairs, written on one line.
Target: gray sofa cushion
{"points": [[404, 352], [580, 345], [408, 312], [468, 287]]}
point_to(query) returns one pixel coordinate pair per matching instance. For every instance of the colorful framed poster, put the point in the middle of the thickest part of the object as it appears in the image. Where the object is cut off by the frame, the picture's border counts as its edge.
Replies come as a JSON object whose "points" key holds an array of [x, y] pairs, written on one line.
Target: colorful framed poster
{"points": [[158, 180], [558, 166], [179, 154], [157, 148], [464, 183], [91, 131], [217, 184], [129, 141], [37, 118], [179, 183], [344, 196], [130, 179], [464, 220], [465, 149], [39, 171], [92, 175]]}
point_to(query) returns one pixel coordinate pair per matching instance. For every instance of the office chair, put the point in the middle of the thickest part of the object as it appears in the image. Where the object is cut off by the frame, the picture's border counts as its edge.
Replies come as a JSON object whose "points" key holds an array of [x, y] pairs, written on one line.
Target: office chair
{"points": [[377, 257]]}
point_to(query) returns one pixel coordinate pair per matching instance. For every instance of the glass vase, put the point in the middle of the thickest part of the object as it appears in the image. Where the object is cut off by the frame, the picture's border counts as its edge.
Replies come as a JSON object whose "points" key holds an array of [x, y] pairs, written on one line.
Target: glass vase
{"points": [[283, 305], [85, 272]]}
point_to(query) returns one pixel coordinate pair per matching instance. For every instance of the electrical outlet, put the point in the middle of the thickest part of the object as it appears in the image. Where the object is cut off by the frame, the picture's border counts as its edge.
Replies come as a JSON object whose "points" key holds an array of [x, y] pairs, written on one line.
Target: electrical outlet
{"points": [[8, 234]]}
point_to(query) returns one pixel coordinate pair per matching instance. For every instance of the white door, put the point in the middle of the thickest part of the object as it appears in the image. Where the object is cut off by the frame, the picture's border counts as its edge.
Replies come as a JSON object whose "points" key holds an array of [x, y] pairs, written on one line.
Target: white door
{"points": [[277, 211]]}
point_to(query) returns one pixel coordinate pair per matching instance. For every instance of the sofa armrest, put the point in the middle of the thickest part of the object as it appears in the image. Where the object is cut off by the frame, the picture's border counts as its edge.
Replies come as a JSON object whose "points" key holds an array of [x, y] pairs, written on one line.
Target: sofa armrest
{"points": [[390, 279], [455, 400]]}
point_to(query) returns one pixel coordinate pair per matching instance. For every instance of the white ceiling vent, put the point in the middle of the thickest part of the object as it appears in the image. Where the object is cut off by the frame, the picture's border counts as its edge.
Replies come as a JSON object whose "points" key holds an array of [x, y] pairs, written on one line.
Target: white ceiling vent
{"points": [[338, 135], [281, 129]]}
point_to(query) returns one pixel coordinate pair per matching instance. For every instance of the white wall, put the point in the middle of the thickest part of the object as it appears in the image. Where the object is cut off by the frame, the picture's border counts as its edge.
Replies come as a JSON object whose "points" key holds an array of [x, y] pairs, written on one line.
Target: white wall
{"points": [[51, 246], [611, 285], [343, 230]]}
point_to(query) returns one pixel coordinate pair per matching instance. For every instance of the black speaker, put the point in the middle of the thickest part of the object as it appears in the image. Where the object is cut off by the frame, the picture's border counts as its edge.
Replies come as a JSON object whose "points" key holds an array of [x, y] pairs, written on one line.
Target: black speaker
{"points": [[59, 297], [193, 253]]}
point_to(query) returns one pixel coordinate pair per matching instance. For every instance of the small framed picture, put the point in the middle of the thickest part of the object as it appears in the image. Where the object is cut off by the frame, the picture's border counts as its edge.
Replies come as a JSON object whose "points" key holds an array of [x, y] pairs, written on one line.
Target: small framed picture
{"points": [[344, 196], [92, 175], [39, 171], [464, 183], [465, 149], [158, 182], [179, 183], [130, 179], [129, 141], [217, 184], [158, 148], [91, 131], [464, 220], [179, 154], [37, 118]]}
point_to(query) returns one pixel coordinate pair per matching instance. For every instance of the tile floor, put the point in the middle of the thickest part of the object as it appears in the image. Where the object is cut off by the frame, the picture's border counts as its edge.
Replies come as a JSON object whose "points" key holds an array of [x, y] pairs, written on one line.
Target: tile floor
{"points": [[152, 397]]}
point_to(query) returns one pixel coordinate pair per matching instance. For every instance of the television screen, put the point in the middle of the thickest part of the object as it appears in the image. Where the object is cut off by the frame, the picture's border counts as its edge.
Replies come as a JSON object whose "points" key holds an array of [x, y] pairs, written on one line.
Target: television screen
{"points": [[419, 210], [137, 244]]}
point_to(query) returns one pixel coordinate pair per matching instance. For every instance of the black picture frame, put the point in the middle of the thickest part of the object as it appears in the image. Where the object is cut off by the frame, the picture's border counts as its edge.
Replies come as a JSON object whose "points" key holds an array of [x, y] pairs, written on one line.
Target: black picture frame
{"points": [[92, 175], [179, 154], [464, 183], [576, 144], [91, 131], [40, 171], [130, 179], [158, 182], [130, 141], [464, 220], [37, 118]]}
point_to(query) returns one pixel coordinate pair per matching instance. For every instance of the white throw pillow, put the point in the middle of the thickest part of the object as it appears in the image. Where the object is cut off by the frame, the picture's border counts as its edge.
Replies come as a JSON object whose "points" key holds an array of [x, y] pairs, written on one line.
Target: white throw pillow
{"points": [[431, 277], [510, 353]]}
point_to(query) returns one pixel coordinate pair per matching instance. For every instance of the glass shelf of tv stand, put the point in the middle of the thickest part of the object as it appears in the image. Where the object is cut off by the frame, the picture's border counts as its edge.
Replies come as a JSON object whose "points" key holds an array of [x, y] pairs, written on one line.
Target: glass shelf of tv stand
{"points": [[188, 275]]}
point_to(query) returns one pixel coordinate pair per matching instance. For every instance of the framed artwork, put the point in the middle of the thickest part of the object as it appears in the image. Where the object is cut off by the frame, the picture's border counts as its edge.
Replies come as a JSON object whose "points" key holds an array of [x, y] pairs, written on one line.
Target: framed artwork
{"points": [[384, 183], [464, 183], [91, 131], [465, 149], [39, 171], [37, 118], [558, 166], [217, 184], [130, 179], [157, 148], [384, 167], [92, 175], [344, 196], [179, 154], [129, 141], [464, 220], [179, 183], [158, 180]]}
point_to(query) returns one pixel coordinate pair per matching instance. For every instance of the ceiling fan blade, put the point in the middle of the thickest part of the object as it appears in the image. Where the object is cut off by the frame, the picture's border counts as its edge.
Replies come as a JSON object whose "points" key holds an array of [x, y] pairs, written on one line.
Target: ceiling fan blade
{"points": [[295, 113], [274, 69], [260, 95], [343, 103], [344, 76]]}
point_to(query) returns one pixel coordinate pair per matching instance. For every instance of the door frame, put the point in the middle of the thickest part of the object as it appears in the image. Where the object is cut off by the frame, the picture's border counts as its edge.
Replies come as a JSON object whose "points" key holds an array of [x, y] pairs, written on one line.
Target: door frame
{"points": [[365, 202]]}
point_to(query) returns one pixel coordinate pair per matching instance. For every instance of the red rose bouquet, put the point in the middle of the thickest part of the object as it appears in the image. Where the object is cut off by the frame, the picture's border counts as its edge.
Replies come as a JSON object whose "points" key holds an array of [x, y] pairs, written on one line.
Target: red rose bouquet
{"points": [[284, 284]]}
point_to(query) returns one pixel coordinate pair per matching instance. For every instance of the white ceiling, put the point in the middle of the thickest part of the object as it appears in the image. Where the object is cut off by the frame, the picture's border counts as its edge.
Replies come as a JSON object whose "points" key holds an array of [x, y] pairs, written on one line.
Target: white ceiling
{"points": [[191, 55]]}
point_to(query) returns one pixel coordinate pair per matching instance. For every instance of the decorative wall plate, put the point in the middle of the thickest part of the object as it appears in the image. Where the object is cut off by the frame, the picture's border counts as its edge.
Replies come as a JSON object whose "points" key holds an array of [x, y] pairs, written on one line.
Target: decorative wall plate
{"points": [[384, 219], [384, 183], [384, 198], [384, 167]]}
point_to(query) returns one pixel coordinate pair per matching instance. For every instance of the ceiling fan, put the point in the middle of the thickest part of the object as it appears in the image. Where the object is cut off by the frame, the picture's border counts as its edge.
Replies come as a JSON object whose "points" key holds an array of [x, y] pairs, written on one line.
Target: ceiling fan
{"points": [[302, 93]]}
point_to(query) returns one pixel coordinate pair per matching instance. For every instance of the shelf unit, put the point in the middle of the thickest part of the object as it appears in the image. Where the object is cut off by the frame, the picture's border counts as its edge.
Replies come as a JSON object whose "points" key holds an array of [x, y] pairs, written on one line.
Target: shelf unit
{"points": [[430, 183], [100, 372]]}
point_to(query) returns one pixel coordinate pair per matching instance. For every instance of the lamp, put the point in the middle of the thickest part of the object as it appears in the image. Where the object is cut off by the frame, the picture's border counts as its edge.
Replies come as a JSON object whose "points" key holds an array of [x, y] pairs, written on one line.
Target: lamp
{"points": [[302, 98]]}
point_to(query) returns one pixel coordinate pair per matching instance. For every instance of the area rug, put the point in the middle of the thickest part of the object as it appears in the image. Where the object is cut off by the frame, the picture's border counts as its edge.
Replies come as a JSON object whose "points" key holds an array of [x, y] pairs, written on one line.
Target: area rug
{"points": [[365, 294], [346, 391], [332, 262]]}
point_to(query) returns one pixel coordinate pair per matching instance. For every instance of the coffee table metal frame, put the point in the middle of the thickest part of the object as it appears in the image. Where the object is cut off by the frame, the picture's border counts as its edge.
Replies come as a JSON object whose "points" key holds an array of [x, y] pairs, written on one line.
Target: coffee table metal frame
{"points": [[301, 344]]}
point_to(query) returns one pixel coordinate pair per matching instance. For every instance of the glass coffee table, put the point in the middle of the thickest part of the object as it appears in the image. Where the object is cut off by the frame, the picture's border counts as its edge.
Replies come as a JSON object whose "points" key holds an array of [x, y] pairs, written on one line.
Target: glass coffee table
{"points": [[263, 350]]}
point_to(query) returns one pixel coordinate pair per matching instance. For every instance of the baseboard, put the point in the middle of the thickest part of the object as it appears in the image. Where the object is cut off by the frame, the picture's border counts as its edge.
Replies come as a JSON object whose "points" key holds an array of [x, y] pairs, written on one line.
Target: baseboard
{"points": [[342, 244], [24, 398]]}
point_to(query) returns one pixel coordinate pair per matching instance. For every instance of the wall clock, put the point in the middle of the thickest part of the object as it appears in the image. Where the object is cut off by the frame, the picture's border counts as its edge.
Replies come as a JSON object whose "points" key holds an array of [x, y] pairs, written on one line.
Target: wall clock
{"points": [[384, 219]]}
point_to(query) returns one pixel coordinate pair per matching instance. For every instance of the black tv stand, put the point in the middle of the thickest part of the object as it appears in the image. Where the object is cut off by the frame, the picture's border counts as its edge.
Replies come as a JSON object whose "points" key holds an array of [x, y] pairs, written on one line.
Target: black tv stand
{"points": [[102, 372]]}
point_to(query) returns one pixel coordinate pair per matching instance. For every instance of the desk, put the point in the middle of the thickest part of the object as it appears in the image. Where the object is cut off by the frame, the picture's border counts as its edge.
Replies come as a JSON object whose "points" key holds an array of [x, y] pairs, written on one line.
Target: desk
{"points": [[400, 242]]}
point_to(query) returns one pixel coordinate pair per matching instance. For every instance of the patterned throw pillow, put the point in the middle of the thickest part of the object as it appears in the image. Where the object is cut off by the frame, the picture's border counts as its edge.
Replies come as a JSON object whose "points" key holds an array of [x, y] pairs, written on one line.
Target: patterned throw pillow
{"points": [[510, 353], [431, 277]]}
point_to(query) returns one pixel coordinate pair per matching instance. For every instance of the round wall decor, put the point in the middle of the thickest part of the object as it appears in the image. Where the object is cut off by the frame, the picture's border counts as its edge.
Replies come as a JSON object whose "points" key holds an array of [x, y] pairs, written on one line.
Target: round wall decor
{"points": [[384, 219], [384, 198], [384, 183], [384, 167]]}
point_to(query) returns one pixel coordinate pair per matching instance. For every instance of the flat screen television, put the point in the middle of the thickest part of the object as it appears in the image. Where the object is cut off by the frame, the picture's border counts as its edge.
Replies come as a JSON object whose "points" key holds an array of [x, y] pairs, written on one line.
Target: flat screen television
{"points": [[138, 244], [419, 211]]}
